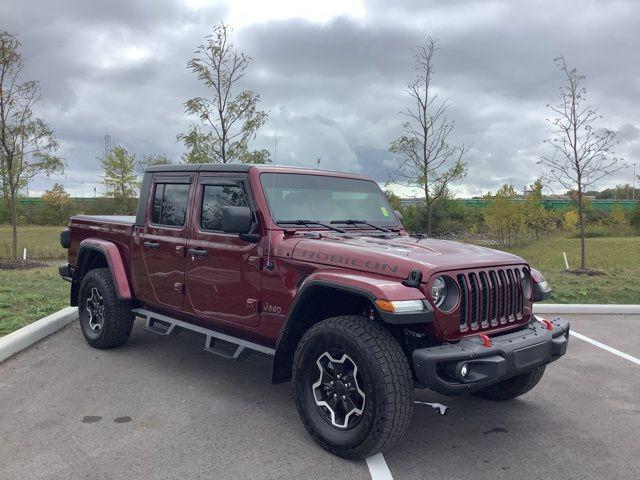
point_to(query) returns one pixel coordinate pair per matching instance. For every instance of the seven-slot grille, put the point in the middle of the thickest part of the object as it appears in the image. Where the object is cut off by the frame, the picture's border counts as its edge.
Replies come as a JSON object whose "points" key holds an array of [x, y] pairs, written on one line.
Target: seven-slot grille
{"points": [[492, 297]]}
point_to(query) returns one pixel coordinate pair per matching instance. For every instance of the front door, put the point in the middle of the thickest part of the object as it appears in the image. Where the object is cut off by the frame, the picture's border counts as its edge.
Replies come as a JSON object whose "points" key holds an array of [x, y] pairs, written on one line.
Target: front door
{"points": [[223, 270], [164, 238]]}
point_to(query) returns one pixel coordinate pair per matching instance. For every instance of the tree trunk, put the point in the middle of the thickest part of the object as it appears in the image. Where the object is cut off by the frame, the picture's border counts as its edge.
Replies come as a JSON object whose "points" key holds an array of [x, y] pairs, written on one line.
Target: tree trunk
{"points": [[14, 226], [581, 223]]}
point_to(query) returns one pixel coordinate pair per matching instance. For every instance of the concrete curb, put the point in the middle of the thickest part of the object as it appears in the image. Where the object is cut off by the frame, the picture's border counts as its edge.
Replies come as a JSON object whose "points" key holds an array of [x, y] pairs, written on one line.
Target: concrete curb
{"points": [[27, 336], [586, 308]]}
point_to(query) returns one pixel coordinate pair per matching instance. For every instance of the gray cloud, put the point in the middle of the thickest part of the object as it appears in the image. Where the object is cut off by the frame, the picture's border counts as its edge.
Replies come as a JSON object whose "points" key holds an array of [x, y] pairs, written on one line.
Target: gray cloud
{"points": [[333, 89]]}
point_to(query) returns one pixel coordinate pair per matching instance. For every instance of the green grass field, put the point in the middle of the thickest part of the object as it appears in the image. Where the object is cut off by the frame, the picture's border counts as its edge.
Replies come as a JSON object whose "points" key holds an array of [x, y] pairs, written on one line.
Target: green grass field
{"points": [[42, 243], [28, 295], [618, 256]]}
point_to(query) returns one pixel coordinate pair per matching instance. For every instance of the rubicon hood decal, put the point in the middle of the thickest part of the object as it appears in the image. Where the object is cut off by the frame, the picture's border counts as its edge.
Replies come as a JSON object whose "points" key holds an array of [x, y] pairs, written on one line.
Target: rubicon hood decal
{"points": [[355, 261], [397, 256]]}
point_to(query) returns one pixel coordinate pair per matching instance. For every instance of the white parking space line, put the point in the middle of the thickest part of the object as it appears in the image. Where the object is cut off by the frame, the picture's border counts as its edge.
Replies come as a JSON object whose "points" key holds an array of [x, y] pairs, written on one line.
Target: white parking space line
{"points": [[378, 468], [605, 347]]}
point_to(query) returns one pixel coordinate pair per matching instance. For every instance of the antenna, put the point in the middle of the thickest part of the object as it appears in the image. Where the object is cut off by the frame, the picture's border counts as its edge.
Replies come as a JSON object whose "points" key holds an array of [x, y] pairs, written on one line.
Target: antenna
{"points": [[269, 265]]}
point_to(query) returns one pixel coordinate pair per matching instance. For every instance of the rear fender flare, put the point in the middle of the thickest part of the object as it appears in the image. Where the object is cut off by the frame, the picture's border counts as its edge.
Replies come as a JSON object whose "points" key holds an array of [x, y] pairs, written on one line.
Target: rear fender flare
{"points": [[114, 260]]}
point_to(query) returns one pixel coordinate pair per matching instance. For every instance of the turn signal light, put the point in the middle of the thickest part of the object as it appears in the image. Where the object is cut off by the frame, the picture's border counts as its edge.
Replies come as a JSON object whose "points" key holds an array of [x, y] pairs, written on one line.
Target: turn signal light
{"points": [[400, 306]]}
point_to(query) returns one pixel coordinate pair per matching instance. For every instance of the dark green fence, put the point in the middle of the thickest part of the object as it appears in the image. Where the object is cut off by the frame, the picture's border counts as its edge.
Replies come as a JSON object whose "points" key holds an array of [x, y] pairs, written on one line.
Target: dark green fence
{"points": [[559, 204]]}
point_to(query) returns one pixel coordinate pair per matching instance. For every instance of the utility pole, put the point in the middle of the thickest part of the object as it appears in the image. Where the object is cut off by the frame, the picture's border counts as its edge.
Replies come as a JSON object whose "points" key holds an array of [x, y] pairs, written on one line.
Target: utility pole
{"points": [[633, 190], [108, 145]]}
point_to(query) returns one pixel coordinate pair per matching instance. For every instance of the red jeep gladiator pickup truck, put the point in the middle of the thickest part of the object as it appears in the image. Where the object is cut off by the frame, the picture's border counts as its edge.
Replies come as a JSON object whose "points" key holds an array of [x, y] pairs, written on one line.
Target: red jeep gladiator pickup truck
{"points": [[315, 269]]}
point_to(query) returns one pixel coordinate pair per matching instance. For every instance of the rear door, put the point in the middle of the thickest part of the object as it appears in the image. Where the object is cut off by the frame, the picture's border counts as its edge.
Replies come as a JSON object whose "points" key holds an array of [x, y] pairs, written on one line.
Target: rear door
{"points": [[165, 236], [223, 270]]}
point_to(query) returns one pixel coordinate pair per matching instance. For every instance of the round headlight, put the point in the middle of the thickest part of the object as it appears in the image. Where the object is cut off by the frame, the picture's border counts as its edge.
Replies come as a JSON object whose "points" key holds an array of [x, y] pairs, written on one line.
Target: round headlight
{"points": [[439, 291]]}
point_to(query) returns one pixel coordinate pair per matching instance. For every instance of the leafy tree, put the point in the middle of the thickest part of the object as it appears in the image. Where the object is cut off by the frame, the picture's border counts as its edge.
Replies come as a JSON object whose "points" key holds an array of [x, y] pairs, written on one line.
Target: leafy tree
{"points": [[394, 199], [27, 144], [56, 206], [634, 219], [231, 120], [199, 145], [570, 219], [120, 177], [536, 218], [150, 160], [503, 216], [428, 159], [581, 154], [618, 217]]}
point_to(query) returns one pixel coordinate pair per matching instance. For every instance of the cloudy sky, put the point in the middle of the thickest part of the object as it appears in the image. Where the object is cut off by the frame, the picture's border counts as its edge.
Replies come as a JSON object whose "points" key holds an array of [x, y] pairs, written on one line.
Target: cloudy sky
{"points": [[332, 75]]}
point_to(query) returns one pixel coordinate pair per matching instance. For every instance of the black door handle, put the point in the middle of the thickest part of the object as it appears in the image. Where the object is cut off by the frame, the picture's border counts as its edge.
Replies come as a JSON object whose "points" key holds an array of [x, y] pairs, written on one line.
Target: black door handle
{"points": [[154, 245], [197, 252]]}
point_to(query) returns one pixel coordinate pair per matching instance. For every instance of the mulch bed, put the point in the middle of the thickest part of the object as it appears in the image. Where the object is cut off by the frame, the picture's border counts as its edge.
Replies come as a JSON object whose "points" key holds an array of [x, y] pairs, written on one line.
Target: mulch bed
{"points": [[20, 264], [590, 272]]}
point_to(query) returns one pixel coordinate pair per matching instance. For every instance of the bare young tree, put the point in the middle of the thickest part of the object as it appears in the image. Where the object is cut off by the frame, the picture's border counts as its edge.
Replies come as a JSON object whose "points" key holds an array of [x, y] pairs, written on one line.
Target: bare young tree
{"points": [[581, 154], [27, 143], [428, 160], [231, 120]]}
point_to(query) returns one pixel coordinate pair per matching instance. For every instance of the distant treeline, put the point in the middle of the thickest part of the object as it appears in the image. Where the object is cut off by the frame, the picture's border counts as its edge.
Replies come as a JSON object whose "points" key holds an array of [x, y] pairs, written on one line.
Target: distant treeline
{"points": [[557, 204]]}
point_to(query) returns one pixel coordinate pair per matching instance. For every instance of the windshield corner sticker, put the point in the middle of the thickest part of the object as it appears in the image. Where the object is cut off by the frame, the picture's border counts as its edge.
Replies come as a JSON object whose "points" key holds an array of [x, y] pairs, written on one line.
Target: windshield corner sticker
{"points": [[349, 261], [384, 211]]}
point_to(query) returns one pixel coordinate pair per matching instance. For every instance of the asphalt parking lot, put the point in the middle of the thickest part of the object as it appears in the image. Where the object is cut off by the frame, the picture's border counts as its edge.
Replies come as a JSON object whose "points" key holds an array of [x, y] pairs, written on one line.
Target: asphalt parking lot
{"points": [[164, 408]]}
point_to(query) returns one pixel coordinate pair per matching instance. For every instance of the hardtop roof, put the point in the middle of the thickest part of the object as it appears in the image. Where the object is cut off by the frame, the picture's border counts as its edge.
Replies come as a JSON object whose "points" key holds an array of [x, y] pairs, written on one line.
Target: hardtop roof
{"points": [[245, 167]]}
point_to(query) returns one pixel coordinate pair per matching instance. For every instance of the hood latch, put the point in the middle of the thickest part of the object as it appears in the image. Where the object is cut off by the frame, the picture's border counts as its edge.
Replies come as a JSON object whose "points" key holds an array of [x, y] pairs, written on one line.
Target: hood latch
{"points": [[413, 280]]}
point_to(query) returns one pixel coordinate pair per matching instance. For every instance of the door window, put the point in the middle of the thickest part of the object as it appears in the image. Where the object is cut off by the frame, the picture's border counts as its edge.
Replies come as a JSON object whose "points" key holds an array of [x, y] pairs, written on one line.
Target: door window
{"points": [[214, 199], [170, 202]]}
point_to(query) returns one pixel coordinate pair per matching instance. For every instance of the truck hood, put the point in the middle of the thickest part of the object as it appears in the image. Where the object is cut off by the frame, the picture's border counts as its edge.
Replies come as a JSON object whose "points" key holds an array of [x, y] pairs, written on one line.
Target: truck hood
{"points": [[399, 255]]}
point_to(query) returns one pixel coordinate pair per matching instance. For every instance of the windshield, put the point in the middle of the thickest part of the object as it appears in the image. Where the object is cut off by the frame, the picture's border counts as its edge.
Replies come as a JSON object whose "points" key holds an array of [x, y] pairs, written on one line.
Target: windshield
{"points": [[325, 199]]}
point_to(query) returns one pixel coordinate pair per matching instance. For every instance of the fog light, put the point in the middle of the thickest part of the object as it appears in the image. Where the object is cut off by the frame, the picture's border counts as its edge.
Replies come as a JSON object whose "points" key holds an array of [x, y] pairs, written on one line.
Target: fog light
{"points": [[464, 370]]}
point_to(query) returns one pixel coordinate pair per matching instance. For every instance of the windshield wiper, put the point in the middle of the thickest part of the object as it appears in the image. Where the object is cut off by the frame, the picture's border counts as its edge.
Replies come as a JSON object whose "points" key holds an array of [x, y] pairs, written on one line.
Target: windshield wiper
{"points": [[362, 222], [310, 222]]}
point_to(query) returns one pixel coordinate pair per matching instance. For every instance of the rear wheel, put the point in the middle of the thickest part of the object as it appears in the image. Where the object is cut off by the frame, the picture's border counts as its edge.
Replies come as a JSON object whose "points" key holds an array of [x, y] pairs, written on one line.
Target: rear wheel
{"points": [[512, 387], [105, 320], [353, 386]]}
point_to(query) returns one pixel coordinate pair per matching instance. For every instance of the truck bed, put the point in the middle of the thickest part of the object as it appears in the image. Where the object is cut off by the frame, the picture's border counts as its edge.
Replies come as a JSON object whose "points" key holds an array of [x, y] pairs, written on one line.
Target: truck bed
{"points": [[114, 228]]}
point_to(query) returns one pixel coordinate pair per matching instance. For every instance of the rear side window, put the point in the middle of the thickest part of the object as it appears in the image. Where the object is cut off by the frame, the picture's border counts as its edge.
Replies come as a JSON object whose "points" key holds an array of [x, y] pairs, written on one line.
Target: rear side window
{"points": [[170, 204], [214, 199]]}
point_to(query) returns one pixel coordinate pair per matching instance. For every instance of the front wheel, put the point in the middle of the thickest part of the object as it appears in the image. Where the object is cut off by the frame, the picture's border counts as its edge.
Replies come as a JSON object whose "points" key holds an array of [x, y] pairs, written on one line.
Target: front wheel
{"points": [[353, 386]]}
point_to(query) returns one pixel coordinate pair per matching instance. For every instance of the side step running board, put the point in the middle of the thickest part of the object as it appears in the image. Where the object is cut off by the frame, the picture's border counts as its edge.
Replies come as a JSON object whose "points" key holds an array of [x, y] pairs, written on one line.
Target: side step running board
{"points": [[218, 343]]}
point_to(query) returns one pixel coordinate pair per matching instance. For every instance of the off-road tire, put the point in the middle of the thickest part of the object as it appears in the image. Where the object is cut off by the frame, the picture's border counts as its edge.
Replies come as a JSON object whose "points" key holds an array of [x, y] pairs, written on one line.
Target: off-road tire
{"points": [[118, 318], [513, 387], [387, 383]]}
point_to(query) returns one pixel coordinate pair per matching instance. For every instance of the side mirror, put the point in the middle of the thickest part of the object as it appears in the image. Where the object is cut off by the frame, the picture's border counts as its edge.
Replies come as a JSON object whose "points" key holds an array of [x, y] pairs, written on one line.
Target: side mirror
{"points": [[398, 214], [236, 220]]}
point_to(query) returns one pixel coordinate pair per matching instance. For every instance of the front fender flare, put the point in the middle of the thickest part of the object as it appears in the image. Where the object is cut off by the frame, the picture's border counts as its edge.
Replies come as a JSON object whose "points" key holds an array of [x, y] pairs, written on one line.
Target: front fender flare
{"points": [[369, 287], [372, 287]]}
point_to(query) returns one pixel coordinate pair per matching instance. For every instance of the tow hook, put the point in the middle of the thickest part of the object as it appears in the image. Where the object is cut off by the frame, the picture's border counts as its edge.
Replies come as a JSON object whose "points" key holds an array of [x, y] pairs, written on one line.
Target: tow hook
{"points": [[548, 325], [486, 341]]}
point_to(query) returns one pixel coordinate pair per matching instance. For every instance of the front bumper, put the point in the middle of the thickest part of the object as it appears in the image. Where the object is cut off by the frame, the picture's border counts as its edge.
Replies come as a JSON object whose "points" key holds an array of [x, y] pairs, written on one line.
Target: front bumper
{"points": [[508, 355]]}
